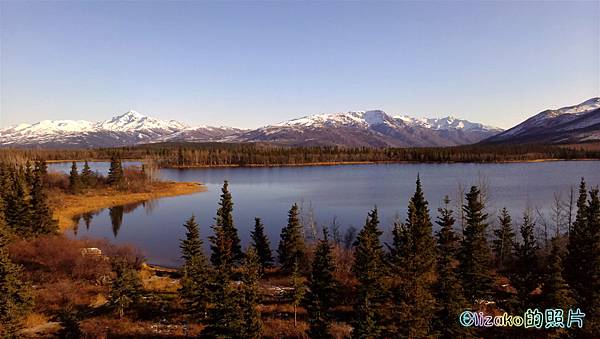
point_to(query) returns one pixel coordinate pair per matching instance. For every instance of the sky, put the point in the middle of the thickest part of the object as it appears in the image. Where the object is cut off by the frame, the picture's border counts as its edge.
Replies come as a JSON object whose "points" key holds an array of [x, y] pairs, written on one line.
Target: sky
{"points": [[248, 64]]}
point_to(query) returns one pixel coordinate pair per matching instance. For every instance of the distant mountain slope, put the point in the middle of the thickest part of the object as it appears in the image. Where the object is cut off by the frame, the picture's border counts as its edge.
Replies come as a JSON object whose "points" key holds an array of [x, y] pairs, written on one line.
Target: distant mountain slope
{"points": [[573, 124], [365, 128], [370, 128]]}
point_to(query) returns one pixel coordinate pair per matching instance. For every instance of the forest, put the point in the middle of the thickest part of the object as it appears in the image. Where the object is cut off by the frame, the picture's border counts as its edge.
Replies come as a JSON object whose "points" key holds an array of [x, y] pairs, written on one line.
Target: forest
{"points": [[263, 154], [418, 285]]}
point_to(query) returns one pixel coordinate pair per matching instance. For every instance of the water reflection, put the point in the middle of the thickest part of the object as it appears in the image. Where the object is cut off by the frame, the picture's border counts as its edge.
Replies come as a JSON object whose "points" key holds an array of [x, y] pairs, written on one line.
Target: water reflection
{"points": [[115, 214]]}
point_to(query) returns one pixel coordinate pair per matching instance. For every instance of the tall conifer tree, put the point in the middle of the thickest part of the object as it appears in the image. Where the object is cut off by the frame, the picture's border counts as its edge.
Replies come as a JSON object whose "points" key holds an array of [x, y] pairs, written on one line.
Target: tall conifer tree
{"points": [[252, 326], [262, 245], [475, 253], [224, 223], [413, 259], [41, 215], [448, 289], [504, 240], [291, 249], [322, 287], [195, 289], [369, 270], [74, 179], [525, 277]]}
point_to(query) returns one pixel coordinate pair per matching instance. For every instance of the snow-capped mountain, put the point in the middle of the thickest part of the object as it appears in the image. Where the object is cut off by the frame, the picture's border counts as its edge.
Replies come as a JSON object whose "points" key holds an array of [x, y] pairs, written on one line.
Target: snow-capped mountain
{"points": [[370, 128], [572, 124], [127, 129], [362, 128]]}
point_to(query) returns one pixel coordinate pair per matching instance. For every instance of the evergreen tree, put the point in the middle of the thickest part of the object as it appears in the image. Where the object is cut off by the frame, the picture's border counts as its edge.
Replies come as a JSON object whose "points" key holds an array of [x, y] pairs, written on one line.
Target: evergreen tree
{"points": [[196, 272], [16, 205], [126, 288], [252, 326], [298, 290], [41, 215], [74, 179], [556, 291], [224, 320], [448, 289], [69, 321], [115, 172], [321, 297], [525, 277], [369, 270], [413, 260], [291, 247], [15, 299], [224, 223], [475, 252], [41, 168], [504, 239], [262, 245], [87, 176]]}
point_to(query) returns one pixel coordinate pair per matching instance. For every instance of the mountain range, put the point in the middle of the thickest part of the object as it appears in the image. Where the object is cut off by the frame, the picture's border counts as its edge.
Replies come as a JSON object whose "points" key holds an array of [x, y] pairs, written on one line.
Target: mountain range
{"points": [[375, 128]]}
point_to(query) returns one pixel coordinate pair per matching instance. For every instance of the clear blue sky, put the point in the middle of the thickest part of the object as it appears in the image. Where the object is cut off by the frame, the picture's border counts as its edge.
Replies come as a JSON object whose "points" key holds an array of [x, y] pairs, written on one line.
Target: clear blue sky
{"points": [[250, 63]]}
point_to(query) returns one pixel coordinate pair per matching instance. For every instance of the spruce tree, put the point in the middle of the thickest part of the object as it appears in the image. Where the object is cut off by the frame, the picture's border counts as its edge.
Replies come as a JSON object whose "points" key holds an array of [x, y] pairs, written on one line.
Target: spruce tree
{"points": [[224, 320], [291, 247], [262, 245], [74, 180], [448, 289], [413, 259], [41, 215], [322, 287], [252, 325], [126, 288], [525, 277], [556, 291], [196, 272], [69, 321], [475, 253], [115, 172], [298, 290], [224, 223], [504, 240], [16, 205], [369, 270], [15, 299], [41, 168], [87, 175]]}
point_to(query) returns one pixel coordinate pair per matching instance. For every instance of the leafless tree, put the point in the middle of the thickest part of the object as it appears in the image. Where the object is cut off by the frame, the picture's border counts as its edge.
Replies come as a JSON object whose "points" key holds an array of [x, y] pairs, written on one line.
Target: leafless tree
{"points": [[558, 213]]}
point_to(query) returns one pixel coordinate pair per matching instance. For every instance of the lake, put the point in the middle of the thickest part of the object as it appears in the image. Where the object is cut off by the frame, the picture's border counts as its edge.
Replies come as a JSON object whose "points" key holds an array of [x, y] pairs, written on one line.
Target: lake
{"points": [[344, 193]]}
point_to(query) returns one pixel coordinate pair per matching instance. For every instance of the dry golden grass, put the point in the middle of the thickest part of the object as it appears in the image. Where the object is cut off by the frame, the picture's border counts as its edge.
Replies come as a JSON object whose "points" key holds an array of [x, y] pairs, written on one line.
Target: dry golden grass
{"points": [[67, 206]]}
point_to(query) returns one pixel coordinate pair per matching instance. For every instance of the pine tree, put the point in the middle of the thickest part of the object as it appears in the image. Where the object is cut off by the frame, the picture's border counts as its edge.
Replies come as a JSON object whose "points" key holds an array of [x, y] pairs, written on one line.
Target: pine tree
{"points": [[590, 296], [448, 289], [291, 247], [525, 277], [195, 289], [41, 215], [224, 319], [298, 290], [369, 270], [126, 288], [556, 291], [321, 297], [69, 321], [413, 260], [115, 172], [16, 205], [475, 253], [74, 180], [224, 223], [15, 299], [504, 240], [262, 245], [41, 168], [87, 176], [252, 326]]}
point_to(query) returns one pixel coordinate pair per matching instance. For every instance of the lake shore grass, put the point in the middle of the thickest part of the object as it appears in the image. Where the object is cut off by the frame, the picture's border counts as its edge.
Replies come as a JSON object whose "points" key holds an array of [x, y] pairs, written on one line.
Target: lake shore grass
{"points": [[67, 206]]}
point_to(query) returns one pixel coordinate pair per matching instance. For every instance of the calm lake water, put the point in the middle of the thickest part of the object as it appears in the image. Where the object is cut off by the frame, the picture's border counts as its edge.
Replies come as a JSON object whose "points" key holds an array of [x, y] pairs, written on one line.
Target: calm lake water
{"points": [[345, 193]]}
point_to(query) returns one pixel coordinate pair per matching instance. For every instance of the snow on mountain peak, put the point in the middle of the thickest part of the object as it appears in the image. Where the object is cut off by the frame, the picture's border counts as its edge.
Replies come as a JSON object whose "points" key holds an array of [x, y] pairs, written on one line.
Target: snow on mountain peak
{"points": [[134, 121]]}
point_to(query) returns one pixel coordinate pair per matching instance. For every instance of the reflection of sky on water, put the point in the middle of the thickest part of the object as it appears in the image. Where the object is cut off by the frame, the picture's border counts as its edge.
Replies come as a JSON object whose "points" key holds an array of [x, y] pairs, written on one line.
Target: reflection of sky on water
{"points": [[344, 192]]}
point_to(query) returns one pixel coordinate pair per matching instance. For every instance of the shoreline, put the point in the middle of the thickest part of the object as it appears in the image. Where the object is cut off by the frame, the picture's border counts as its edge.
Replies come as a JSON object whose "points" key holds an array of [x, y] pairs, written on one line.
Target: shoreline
{"points": [[315, 164], [67, 206]]}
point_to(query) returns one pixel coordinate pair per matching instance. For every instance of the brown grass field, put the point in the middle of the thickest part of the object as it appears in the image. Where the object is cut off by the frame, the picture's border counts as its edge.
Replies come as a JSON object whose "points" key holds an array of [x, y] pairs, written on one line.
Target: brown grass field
{"points": [[67, 206]]}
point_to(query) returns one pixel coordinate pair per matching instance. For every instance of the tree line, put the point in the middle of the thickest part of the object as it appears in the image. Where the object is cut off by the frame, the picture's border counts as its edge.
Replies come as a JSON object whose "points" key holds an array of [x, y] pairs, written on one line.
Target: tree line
{"points": [[262, 154]]}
